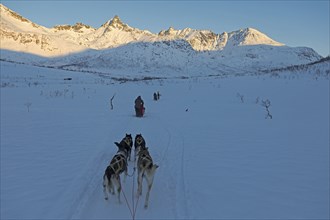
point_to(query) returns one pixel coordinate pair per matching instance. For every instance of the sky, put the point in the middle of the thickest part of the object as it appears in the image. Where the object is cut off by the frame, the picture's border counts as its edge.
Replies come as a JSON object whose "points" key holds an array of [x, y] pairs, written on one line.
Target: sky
{"points": [[293, 22]]}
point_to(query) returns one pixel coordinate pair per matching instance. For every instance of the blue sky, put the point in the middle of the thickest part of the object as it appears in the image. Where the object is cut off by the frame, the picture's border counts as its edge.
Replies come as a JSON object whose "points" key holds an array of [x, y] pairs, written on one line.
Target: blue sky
{"points": [[294, 23]]}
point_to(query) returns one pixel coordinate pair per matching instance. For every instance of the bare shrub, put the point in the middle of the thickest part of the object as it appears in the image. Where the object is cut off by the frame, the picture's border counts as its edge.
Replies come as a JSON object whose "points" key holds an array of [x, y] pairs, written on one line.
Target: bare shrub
{"points": [[28, 105], [266, 104], [241, 97]]}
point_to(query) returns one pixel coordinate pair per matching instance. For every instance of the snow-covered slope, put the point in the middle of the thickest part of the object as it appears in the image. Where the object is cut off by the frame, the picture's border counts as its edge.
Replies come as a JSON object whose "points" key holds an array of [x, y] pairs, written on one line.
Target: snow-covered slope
{"points": [[218, 157], [115, 45], [317, 69], [21, 35], [178, 59]]}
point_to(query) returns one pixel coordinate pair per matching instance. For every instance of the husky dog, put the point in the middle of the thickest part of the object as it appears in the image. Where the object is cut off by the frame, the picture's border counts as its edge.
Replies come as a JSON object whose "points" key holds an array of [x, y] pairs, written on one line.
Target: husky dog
{"points": [[139, 144], [146, 169], [127, 143], [112, 173]]}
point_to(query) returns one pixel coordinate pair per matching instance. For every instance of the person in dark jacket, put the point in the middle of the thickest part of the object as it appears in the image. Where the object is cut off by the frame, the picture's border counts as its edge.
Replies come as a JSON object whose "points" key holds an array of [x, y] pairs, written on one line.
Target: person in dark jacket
{"points": [[139, 107]]}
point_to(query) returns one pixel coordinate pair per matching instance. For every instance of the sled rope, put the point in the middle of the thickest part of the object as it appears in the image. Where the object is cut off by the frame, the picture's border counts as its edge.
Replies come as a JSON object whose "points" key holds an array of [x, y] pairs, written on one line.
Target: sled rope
{"points": [[129, 207], [133, 194], [137, 201], [134, 206]]}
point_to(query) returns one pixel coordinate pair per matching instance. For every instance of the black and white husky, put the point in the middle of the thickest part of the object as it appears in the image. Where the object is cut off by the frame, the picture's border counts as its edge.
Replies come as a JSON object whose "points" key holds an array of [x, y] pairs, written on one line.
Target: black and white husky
{"points": [[139, 144], [146, 169], [112, 173], [127, 143]]}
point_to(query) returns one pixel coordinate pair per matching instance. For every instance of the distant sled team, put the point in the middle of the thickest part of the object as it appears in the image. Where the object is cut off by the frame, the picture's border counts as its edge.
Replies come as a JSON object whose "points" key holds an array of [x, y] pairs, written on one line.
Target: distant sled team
{"points": [[145, 166]]}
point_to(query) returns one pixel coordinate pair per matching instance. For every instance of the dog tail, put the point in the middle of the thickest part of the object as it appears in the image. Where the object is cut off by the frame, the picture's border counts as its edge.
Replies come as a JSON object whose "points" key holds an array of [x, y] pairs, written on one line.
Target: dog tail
{"points": [[105, 180], [118, 145], [107, 176]]}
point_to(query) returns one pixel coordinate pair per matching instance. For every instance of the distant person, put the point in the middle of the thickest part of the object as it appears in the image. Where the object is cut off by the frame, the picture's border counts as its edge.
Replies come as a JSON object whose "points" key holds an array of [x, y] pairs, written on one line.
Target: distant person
{"points": [[139, 107], [158, 95], [155, 96]]}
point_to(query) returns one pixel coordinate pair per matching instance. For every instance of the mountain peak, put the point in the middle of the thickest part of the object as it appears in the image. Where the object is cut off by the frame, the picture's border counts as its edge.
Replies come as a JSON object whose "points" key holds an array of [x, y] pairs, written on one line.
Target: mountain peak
{"points": [[251, 36], [168, 32], [116, 23]]}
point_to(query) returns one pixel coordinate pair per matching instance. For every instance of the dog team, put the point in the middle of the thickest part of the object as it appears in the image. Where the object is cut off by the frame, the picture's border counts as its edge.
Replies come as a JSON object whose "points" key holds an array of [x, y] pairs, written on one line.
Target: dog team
{"points": [[145, 166]]}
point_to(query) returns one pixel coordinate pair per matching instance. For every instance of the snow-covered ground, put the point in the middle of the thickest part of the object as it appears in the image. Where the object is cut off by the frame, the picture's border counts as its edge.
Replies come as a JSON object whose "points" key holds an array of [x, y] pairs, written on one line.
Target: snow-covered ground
{"points": [[219, 156]]}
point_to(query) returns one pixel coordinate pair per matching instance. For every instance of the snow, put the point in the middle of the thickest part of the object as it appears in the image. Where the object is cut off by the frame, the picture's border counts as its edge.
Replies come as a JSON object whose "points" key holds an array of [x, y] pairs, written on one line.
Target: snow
{"points": [[219, 157]]}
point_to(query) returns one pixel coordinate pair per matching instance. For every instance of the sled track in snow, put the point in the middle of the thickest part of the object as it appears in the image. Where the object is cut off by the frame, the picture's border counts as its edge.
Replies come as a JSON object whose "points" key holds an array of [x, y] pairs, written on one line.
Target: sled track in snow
{"points": [[182, 211], [169, 140], [89, 188], [183, 180], [93, 177], [90, 185]]}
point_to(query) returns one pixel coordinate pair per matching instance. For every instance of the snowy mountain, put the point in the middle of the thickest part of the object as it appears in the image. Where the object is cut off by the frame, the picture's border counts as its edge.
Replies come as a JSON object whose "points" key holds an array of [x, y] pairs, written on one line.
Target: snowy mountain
{"points": [[207, 40], [115, 46], [114, 33]]}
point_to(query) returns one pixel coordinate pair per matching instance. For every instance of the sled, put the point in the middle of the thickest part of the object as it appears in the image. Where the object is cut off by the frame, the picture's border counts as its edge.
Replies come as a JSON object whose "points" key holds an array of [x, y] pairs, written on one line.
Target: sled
{"points": [[139, 112]]}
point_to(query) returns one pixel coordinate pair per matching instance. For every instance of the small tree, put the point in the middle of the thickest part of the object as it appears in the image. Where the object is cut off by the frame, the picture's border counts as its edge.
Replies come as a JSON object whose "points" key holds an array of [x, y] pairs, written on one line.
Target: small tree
{"points": [[28, 105], [241, 97], [111, 105], [266, 104], [257, 100]]}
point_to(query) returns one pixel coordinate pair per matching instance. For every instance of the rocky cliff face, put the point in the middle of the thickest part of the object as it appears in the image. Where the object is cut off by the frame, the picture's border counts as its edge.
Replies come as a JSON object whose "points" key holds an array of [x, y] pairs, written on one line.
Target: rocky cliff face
{"points": [[78, 27]]}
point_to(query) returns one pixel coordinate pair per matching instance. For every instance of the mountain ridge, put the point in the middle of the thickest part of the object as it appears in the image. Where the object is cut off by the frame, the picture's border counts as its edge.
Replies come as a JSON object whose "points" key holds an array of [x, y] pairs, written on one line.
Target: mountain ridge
{"points": [[115, 32], [115, 47]]}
